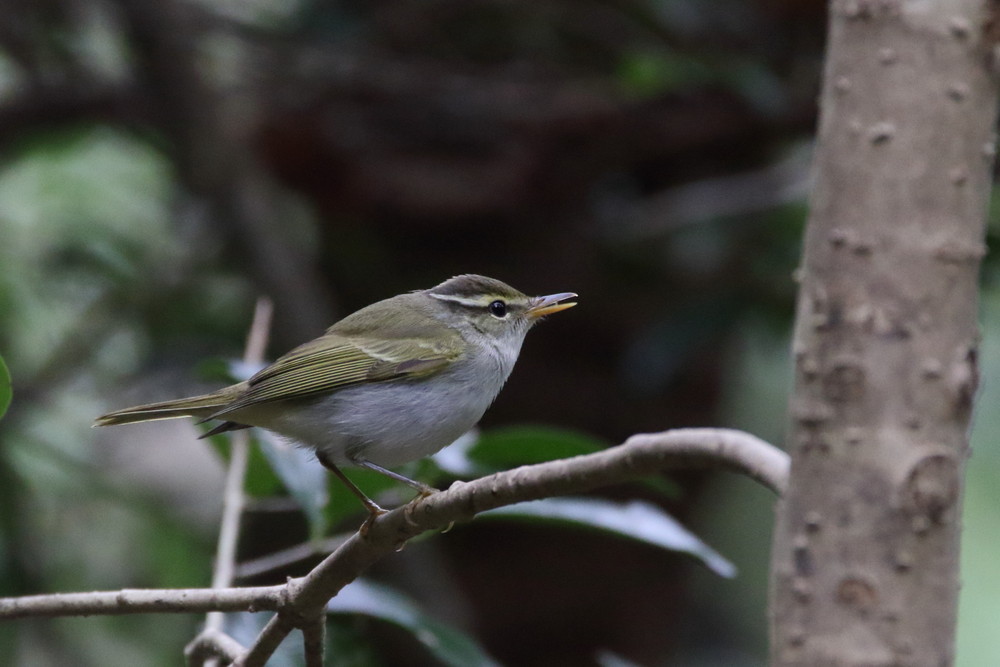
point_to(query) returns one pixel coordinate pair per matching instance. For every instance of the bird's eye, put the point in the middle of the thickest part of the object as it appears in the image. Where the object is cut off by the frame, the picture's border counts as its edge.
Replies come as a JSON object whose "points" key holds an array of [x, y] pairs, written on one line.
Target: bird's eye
{"points": [[498, 309]]}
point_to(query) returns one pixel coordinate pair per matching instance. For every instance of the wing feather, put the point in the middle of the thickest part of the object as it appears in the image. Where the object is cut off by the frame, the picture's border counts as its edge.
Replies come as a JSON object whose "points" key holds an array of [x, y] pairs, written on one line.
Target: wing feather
{"points": [[333, 362]]}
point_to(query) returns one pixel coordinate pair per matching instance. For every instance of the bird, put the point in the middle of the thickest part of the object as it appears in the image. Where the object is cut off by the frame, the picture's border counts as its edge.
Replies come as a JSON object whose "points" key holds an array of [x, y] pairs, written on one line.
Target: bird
{"points": [[391, 383]]}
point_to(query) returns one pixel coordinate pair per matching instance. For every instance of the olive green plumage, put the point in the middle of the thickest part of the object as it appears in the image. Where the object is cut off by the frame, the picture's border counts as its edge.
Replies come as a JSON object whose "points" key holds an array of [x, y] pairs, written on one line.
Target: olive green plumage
{"points": [[393, 382]]}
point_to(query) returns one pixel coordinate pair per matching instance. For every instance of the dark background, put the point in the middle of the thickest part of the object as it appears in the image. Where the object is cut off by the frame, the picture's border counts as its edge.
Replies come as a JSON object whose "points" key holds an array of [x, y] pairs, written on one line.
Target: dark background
{"points": [[163, 164]]}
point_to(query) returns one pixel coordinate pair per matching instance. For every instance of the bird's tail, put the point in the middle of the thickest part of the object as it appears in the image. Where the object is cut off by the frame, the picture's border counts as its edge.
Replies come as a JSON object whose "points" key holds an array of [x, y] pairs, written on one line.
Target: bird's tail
{"points": [[195, 406]]}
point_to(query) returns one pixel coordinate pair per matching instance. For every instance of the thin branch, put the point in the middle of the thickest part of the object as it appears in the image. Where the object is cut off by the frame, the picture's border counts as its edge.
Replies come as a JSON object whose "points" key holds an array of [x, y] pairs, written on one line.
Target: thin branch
{"points": [[234, 500], [267, 643], [313, 638], [724, 448], [687, 205], [640, 456], [260, 329], [302, 601], [132, 601], [285, 557], [212, 644], [229, 528]]}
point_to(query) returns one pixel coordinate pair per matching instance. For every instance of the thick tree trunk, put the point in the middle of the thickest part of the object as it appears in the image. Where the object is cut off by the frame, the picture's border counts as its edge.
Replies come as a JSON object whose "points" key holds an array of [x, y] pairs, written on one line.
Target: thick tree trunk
{"points": [[865, 559]]}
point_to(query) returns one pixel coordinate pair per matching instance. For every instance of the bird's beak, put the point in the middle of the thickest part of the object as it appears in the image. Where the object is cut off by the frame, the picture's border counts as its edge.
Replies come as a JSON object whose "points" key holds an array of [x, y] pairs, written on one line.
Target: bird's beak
{"points": [[546, 305]]}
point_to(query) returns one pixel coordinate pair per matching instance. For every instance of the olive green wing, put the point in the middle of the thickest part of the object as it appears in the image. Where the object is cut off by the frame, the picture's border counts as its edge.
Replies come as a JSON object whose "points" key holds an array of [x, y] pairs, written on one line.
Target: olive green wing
{"points": [[332, 362]]}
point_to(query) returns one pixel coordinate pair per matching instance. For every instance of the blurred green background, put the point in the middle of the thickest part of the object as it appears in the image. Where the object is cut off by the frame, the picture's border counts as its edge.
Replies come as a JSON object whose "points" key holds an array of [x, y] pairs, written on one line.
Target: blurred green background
{"points": [[163, 164]]}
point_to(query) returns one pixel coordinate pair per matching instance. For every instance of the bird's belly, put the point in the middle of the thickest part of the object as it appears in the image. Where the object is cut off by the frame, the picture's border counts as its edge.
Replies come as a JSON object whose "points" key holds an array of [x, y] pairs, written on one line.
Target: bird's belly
{"points": [[386, 423]]}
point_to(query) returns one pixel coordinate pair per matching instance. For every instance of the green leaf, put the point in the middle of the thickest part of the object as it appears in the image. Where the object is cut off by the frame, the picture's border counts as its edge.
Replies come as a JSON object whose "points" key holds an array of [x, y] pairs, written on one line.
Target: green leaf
{"points": [[477, 454], [455, 459], [260, 480], [378, 601], [649, 74], [5, 387], [347, 645], [505, 448], [215, 369], [343, 504], [635, 520], [226, 369], [272, 464], [303, 477]]}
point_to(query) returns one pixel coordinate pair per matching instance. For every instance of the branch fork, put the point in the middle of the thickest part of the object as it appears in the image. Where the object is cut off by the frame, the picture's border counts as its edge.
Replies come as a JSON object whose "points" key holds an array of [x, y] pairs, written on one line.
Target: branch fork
{"points": [[301, 602]]}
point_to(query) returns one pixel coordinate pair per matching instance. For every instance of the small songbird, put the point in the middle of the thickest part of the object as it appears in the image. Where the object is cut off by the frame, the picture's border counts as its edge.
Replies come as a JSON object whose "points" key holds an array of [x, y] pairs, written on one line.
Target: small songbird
{"points": [[391, 383]]}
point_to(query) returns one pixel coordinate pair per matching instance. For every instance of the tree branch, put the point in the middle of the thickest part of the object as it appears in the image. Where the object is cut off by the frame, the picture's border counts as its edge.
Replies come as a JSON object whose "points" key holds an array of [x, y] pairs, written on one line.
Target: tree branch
{"points": [[639, 456], [233, 497], [132, 601], [301, 601], [314, 636], [285, 557], [212, 644], [212, 641]]}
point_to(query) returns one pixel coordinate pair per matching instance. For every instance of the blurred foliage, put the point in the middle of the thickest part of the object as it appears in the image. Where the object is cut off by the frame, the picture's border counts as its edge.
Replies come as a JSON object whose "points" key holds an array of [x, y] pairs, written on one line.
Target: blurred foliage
{"points": [[505, 448], [635, 520], [979, 604], [381, 602], [161, 164], [5, 387]]}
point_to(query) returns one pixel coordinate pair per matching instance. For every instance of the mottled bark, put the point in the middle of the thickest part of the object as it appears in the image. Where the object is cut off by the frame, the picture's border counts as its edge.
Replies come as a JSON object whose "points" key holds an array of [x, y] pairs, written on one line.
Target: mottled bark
{"points": [[865, 559]]}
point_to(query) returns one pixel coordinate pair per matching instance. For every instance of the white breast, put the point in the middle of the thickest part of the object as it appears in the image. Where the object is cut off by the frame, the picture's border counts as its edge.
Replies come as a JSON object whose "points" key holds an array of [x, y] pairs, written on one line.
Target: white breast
{"points": [[393, 422]]}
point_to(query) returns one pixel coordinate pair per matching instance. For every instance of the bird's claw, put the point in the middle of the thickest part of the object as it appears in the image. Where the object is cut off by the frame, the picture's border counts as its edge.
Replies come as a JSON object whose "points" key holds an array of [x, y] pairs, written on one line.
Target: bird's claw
{"points": [[374, 512]]}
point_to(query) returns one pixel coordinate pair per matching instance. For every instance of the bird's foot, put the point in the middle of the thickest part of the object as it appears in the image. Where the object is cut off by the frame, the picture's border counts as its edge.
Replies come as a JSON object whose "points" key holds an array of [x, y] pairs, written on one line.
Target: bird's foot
{"points": [[374, 512], [424, 491]]}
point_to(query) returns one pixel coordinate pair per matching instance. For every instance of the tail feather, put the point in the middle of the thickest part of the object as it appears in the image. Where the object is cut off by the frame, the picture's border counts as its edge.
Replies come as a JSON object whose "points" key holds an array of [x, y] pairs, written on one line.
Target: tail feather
{"points": [[195, 406]]}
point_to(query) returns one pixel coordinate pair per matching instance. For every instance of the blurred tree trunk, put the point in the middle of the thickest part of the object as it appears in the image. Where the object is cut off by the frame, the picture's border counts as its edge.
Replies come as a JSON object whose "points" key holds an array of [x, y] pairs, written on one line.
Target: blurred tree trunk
{"points": [[865, 558]]}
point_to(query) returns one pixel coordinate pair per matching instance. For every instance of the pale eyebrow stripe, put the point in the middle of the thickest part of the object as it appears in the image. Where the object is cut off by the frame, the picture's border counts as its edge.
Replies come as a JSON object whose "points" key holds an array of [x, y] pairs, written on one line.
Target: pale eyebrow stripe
{"points": [[470, 302]]}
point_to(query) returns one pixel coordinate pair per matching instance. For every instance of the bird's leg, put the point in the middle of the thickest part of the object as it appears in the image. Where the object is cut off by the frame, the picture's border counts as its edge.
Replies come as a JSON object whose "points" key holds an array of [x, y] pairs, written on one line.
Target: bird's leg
{"points": [[421, 488], [374, 511]]}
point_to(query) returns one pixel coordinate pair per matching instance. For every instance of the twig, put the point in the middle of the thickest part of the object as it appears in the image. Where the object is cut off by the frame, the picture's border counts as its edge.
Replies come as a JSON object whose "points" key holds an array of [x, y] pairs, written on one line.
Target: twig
{"points": [[234, 500], [144, 601], [212, 644], [725, 448], [281, 559], [313, 638], [641, 455], [302, 601]]}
